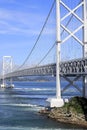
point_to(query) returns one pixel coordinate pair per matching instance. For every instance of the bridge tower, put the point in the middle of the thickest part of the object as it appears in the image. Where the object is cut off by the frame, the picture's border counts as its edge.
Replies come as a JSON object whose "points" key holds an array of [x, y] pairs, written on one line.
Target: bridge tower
{"points": [[7, 68], [58, 101], [85, 45]]}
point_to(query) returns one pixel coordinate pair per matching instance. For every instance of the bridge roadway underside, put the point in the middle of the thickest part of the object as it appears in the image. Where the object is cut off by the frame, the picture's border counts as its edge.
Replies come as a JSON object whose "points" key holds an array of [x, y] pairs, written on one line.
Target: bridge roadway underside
{"points": [[77, 69]]}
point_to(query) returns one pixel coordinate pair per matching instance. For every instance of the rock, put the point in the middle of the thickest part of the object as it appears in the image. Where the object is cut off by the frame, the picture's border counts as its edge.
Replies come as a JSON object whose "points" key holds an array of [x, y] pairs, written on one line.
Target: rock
{"points": [[74, 112]]}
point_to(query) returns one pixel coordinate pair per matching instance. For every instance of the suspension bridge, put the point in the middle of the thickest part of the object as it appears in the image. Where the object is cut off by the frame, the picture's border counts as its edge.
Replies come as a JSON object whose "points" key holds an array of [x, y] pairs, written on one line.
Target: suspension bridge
{"points": [[77, 67]]}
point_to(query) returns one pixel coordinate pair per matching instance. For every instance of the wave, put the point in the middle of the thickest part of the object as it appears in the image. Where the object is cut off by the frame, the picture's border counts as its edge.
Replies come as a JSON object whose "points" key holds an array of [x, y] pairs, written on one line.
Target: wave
{"points": [[28, 128], [36, 89], [39, 96], [31, 128], [23, 105]]}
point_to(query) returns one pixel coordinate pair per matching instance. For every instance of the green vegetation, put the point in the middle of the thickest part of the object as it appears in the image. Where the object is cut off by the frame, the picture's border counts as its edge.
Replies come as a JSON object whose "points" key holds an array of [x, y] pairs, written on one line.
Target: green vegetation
{"points": [[76, 105], [73, 112]]}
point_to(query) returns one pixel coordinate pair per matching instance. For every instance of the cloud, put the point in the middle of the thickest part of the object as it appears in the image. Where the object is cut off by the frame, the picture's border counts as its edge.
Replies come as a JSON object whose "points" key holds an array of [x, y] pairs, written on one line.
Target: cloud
{"points": [[18, 20]]}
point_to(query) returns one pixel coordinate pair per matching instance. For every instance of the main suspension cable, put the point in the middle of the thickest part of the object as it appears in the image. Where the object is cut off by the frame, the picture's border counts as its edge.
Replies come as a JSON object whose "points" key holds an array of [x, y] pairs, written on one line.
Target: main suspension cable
{"points": [[38, 36], [46, 55], [54, 43]]}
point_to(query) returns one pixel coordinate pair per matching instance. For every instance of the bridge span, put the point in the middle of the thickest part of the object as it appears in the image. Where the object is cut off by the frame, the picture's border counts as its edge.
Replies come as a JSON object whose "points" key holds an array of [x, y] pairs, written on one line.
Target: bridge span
{"points": [[76, 68], [68, 68]]}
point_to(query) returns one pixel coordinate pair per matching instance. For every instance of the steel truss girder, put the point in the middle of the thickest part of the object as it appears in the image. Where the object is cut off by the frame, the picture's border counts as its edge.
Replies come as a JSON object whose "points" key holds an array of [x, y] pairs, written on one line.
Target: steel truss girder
{"points": [[71, 82], [74, 67], [49, 69], [72, 34]]}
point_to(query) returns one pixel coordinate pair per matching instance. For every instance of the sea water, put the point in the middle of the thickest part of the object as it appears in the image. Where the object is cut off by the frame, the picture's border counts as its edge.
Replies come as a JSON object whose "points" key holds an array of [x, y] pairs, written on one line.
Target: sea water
{"points": [[19, 106]]}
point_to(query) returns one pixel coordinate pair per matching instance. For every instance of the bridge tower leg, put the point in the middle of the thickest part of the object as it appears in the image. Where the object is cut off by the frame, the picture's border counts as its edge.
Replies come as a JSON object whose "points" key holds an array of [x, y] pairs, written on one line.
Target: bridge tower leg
{"points": [[85, 46], [58, 101]]}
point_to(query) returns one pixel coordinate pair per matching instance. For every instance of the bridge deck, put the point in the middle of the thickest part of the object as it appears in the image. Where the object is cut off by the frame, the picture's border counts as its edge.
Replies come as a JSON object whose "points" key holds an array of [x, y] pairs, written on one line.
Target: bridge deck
{"points": [[70, 68]]}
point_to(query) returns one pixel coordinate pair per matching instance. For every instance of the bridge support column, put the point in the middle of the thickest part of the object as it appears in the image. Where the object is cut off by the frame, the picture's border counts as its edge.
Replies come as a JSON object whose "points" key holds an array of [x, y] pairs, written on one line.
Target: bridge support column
{"points": [[58, 101], [85, 46]]}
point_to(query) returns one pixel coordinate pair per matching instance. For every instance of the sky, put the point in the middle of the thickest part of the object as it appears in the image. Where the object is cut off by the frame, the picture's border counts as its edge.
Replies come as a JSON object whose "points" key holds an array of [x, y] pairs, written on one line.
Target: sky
{"points": [[20, 24]]}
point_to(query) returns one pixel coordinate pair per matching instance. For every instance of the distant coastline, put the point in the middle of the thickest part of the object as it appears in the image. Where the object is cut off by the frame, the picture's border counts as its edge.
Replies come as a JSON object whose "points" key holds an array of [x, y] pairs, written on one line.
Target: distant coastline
{"points": [[35, 78]]}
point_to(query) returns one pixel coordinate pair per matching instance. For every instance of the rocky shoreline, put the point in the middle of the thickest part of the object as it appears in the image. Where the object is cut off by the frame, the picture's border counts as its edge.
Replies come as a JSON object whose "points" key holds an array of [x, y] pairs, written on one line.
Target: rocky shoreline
{"points": [[74, 112]]}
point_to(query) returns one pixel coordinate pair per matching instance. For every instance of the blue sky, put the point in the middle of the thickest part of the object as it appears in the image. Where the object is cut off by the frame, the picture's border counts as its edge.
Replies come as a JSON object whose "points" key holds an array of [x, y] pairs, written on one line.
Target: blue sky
{"points": [[20, 24]]}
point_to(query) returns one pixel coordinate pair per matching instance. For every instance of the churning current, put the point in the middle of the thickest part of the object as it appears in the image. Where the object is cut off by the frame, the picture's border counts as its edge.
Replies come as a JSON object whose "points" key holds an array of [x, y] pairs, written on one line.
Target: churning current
{"points": [[19, 106]]}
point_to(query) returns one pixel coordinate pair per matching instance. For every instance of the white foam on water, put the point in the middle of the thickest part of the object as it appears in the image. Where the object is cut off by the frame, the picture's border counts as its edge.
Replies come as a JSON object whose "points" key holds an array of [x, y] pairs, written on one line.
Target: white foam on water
{"points": [[31, 96], [36, 89], [20, 104], [29, 128], [33, 107], [42, 89]]}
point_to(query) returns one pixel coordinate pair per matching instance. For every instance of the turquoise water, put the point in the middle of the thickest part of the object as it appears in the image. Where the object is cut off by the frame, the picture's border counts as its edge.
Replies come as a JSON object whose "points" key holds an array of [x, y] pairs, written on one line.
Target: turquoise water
{"points": [[19, 107]]}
